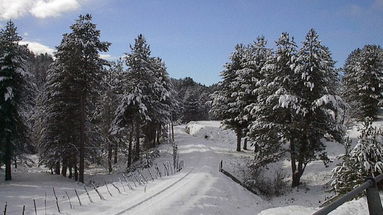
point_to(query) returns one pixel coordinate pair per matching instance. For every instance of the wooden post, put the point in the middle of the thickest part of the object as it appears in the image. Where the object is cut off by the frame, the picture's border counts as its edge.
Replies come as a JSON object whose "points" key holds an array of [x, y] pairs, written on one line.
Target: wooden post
{"points": [[5, 209], [139, 171], [150, 173], [106, 185], [99, 194], [118, 189], [45, 203], [122, 184], [138, 181], [166, 169], [158, 171], [70, 203], [90, 199], [23, 210], [34, 204], [57, 200], [78, 197], [373, 199]]}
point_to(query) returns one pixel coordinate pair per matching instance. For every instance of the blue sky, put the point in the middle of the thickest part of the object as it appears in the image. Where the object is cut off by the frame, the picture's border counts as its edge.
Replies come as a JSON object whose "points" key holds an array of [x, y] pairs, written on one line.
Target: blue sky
{"points": [[195, 37]]}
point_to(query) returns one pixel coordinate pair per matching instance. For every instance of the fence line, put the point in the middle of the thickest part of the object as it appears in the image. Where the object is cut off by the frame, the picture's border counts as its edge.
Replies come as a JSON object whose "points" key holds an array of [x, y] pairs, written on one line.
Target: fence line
{"points": [[236, 180], [373, 198]]}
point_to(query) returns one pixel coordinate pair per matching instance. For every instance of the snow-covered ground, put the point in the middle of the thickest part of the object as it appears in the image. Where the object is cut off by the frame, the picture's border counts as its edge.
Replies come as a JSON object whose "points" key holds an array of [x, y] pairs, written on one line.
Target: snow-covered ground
{"points": [[198, 189]]}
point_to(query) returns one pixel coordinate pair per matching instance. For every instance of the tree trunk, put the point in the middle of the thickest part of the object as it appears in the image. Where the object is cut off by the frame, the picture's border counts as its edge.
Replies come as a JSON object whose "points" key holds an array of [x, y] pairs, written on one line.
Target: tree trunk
{"points": [[172, 130], [238, 141], [64, 168], [158, 134], [70, 172], [75, 170], [296, 174], [8, 160], [137, 155], [57, 168], [109, 157], [82, 140], [115, 152], [130, 149], [245, 144]]}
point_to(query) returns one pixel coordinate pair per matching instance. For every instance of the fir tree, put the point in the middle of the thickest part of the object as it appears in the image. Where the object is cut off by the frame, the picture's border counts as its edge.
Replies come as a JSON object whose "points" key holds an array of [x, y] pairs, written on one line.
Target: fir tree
{"points": [[73, 88], [363, 161], [363, 81], [13, 77], [275, 110], [224, 100]]}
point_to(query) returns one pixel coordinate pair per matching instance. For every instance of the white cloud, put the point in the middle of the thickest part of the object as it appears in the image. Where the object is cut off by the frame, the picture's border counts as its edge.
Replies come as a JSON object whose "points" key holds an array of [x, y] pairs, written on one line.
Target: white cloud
{"points": [[12, 9], [107, 57], [49, 8], [38, 48]]}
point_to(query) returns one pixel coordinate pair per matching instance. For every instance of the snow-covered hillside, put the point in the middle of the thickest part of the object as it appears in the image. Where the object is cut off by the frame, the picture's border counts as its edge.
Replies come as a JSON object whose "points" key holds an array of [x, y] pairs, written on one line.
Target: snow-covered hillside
{"points": [[198, 189]]}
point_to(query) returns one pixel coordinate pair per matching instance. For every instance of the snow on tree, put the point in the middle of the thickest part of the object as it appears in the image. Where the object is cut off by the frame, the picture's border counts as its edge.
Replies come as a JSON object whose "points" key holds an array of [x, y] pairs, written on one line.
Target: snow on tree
{"points": [[255, 57], [76, 74], [13, 82], [320, 111], [146, 100], [277, 100], [224, 99], [298, 104], [363, 81], [363, 161]]}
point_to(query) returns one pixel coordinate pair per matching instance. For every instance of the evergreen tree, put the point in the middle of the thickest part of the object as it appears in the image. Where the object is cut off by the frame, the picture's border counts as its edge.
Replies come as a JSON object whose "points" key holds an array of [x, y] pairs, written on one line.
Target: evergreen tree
{"points": [[13, 77], [298, 105], [320, 110], [363, 161], [146, 100], [224, 100], [275, 110], [363, 81], [74, 83], [255, 58]]}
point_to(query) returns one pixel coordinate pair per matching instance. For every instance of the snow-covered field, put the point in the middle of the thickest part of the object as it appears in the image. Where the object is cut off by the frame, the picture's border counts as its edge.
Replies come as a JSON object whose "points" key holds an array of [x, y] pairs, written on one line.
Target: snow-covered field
{"points": [[198, 189]]}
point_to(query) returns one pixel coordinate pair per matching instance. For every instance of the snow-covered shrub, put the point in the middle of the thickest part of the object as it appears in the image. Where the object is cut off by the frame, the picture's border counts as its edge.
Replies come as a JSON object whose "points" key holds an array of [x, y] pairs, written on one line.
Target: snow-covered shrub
{"points": [[267, 185], [363, 161]]}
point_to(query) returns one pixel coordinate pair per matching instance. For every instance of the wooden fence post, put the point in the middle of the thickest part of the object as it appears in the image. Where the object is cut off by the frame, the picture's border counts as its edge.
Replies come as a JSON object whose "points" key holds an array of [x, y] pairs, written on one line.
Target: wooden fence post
{"points": [[90, 199], [78, 197], [122, 184], [57, 200], [106, 185], [34, 204], [118, 189], [99, 194], [70, 203], [5, 209], [45, 203]]}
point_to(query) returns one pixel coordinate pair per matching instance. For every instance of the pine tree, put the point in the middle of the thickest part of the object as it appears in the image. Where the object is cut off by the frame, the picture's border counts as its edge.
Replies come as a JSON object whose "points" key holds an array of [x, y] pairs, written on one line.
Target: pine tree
{"points": [[320, 110], [363, 161], [298, 105], [255, 58], [146, 100], [224, 100], [13, 77], [73, 88], [363, 81], [277, 103]]}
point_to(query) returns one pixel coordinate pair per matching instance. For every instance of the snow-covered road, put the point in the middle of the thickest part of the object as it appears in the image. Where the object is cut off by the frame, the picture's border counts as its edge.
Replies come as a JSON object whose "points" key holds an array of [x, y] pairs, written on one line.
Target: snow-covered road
{"points": [[199, 189]]}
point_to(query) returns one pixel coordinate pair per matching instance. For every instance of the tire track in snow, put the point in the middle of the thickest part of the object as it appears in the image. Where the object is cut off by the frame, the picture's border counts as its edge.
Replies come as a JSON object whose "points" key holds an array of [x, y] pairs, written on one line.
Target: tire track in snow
{"points": [[152, 196]]}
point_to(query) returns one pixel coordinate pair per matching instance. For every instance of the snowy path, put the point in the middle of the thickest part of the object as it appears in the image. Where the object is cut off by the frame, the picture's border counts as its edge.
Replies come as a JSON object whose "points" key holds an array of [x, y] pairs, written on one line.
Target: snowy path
{"points": [[198, 189]]}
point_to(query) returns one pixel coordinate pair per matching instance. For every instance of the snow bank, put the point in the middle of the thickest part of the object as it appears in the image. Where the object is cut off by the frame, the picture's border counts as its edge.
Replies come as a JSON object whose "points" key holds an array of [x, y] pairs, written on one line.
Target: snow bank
{"points": [[293, 209], [210, 130]]}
